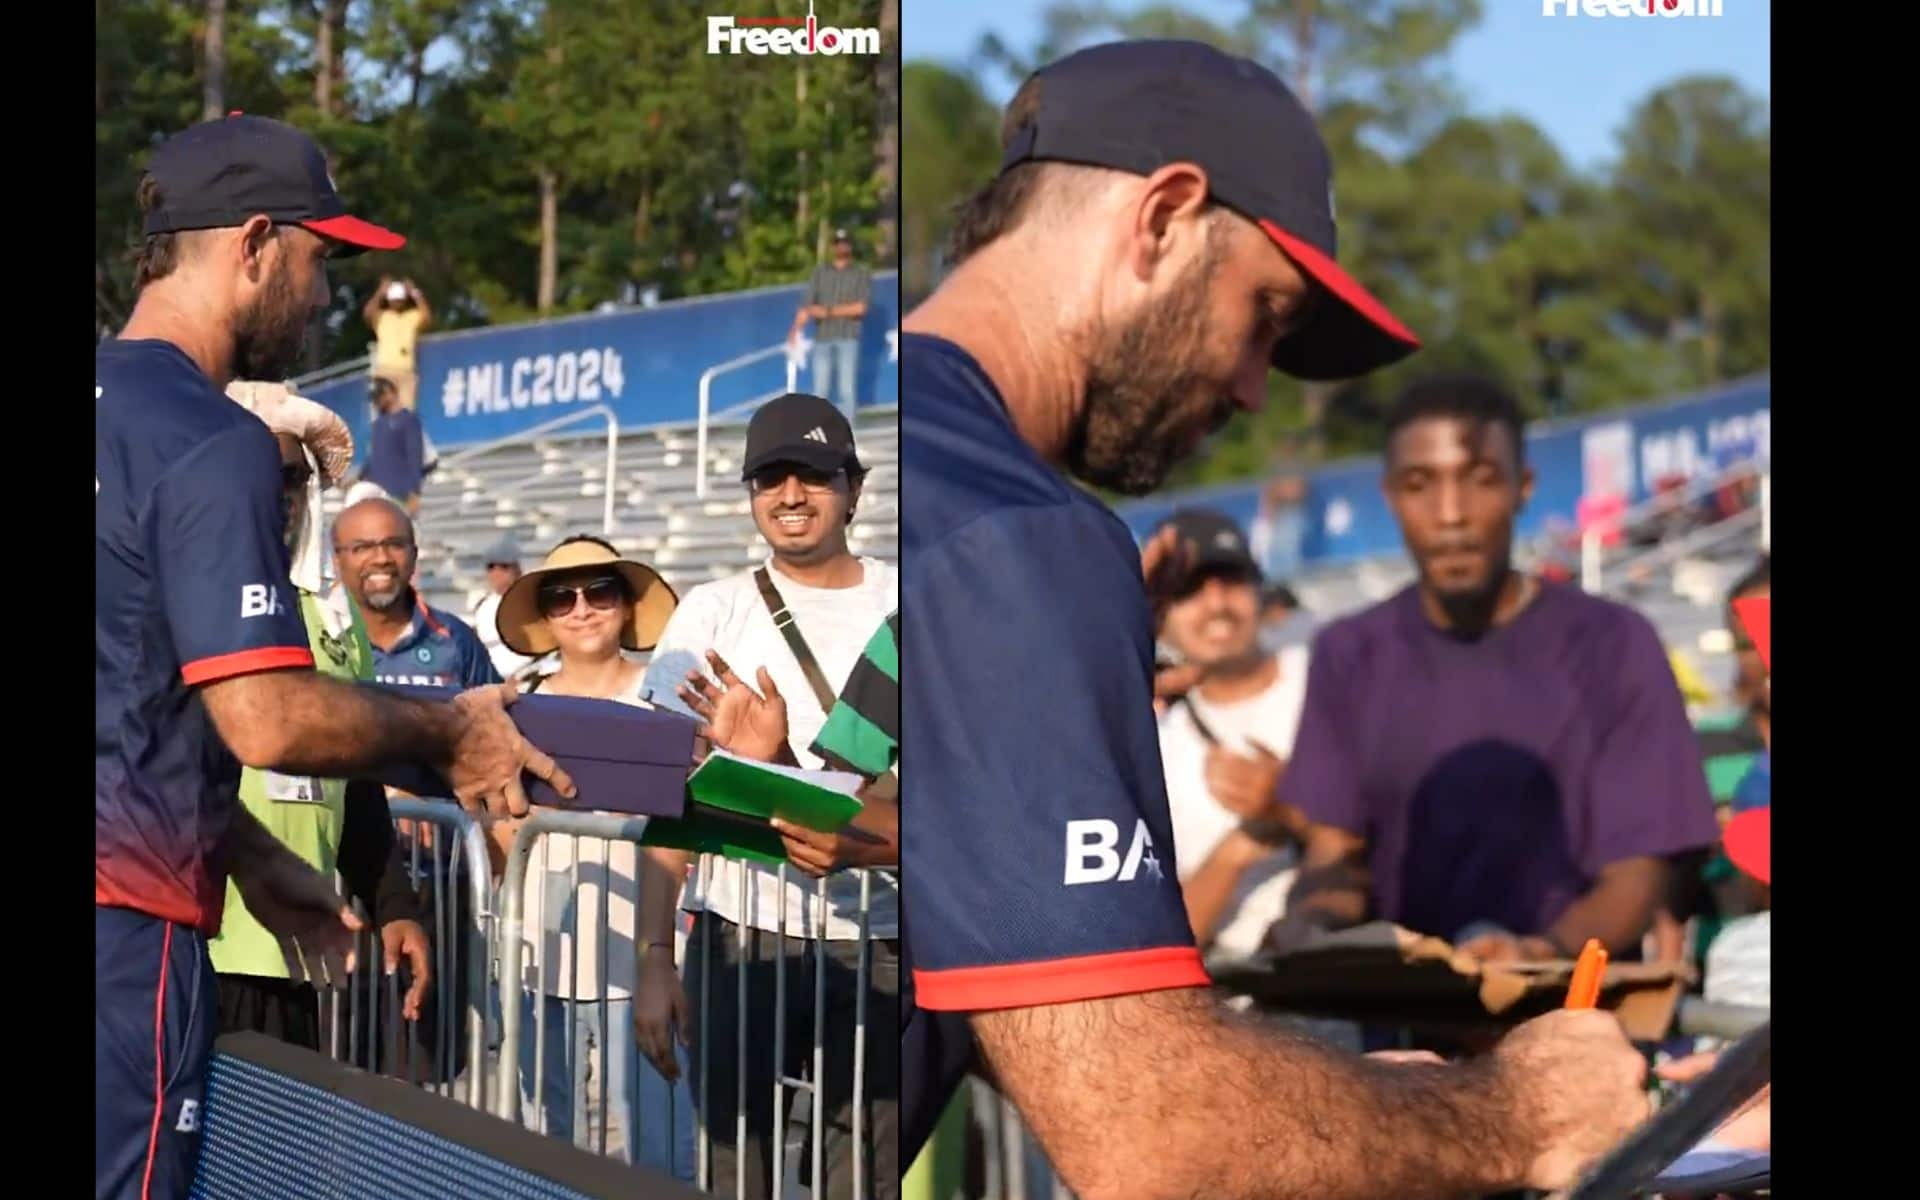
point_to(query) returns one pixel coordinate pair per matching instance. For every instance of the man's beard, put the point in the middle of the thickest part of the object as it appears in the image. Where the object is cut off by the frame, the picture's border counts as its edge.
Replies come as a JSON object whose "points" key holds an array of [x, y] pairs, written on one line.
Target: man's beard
{"points": [[269, 334], [1142, 385], [1470, 612], [382, 601]]}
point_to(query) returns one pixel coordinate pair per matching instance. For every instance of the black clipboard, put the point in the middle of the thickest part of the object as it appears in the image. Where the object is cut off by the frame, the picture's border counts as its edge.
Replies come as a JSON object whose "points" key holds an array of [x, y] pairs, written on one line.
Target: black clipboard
{"points": [[1743, 1069]]}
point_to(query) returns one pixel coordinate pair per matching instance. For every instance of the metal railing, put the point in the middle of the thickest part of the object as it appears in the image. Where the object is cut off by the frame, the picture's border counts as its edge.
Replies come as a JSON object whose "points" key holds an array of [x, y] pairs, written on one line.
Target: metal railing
{"points": [[706, 399], [374, 1025], [514, 929], [528, 435], [1698, 1017], [1593, 539], [357, 366], [1694, 542]]}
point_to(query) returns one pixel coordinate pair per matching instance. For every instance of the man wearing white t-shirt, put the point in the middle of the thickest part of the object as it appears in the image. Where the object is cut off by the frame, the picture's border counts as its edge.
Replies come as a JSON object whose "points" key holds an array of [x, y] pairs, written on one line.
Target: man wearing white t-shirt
{"points": [[803, 477], [1224, 742]]}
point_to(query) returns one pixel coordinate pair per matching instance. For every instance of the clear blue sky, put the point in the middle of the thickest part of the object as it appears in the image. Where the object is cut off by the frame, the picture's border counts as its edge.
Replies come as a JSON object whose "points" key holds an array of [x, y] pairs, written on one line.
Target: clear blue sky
{"points": [[1575, 77]]}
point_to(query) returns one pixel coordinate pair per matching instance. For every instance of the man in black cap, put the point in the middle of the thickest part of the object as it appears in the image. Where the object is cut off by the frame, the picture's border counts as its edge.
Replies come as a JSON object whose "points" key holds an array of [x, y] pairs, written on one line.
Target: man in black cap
{"points": [[1160, 236], [836, 297], [799, 622], [1224, 740], [201, 656]]}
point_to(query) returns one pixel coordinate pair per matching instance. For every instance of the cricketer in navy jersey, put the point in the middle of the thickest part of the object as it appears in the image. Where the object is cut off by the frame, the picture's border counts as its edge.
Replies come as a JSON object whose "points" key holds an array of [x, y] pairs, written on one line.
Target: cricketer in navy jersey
{"points": [[1044, 872], [190, 588]]}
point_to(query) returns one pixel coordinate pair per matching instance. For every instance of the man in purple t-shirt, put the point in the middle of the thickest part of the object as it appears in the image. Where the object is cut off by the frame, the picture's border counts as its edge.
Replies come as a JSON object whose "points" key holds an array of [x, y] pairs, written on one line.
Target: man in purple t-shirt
{"points": [[1509, 760]]}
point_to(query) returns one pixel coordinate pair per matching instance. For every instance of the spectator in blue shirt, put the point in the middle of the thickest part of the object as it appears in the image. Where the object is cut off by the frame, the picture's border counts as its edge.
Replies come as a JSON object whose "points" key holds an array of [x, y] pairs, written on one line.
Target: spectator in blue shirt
{"points": [[413, 643], [374, 553], [396, 453]]}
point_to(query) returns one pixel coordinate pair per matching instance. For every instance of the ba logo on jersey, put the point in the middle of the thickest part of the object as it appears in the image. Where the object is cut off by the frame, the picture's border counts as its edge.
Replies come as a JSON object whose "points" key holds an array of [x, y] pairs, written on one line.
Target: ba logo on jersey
{"points": [[260, 600], [1093, 853]]}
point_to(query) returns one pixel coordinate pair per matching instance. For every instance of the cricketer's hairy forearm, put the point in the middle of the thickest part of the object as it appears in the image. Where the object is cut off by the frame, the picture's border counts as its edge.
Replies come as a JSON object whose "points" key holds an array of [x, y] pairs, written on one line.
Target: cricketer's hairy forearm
{"points": [[309, 724], [1170, 1094]]}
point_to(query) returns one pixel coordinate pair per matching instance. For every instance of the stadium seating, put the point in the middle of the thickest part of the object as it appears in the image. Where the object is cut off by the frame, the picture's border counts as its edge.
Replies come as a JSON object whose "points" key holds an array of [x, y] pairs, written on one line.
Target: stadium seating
{"points": [[546, 489]]}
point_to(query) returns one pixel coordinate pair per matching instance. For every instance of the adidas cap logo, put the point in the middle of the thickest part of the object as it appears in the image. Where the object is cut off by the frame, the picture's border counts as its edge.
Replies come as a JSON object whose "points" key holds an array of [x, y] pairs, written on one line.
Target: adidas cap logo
{"points": [[816, 434]]}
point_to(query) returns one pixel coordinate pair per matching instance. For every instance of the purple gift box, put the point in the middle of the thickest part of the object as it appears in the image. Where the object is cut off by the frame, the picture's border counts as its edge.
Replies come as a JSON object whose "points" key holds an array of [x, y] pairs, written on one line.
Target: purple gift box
{"points": [[622, 758]]}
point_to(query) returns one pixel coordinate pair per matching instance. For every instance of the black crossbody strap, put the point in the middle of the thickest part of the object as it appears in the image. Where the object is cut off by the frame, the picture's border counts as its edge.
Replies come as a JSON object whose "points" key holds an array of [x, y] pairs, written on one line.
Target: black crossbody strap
{"points": [[783, 621]]}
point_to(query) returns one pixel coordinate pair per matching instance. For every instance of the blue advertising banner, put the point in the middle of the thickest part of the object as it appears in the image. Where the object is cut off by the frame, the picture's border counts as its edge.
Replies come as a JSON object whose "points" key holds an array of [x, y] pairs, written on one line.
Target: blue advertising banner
{"points": [[477, 385], [1345, 516]]}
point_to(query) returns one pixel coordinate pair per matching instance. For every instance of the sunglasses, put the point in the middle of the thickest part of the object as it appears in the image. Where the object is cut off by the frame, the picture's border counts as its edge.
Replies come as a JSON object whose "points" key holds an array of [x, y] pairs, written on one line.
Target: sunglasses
{"points": [[772, 479], [558, 599]]}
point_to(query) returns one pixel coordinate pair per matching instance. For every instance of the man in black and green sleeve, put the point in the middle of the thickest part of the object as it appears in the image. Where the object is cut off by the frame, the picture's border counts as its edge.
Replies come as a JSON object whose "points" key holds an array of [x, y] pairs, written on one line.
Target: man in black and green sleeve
{"points": [[861, 734], [863, 730]]}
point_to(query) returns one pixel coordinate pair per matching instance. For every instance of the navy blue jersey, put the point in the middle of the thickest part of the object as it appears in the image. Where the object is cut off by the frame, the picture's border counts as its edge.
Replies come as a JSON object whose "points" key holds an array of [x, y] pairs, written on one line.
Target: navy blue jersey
{"points": [[437, 649], [190, 587], [1039, 849]]}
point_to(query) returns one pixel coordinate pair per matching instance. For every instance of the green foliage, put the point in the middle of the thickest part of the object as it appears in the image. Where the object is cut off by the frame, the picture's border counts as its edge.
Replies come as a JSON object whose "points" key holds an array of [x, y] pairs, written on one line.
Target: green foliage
{"points": [[1581, 292], [676, 172], [952, 136]]}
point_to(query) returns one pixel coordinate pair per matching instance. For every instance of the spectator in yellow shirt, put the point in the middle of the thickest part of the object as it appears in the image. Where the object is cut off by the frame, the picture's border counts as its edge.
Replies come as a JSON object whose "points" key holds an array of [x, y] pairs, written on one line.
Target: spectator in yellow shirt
{"points": [[397, 313]]}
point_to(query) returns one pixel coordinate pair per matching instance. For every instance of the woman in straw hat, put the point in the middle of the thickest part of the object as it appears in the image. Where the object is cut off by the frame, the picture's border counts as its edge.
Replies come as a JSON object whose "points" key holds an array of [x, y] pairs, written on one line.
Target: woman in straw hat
{"points": [[590, 605]]}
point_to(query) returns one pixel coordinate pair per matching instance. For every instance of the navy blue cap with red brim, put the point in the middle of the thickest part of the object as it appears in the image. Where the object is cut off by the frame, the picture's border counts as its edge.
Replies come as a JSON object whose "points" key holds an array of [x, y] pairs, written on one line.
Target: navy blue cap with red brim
{"points": [[1139, 105], [221, 174]]}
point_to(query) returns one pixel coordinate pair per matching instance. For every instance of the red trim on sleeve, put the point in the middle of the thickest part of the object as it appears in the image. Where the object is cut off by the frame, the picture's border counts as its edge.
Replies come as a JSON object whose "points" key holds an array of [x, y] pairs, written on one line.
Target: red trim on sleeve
{"points": [[245, 662], [1059, 980]]}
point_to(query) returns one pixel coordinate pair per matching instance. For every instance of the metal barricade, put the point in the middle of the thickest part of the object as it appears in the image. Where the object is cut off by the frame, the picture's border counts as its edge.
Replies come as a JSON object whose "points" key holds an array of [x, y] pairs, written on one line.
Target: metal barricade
{"points": [[1700, 1017], [606, 829], [811, 1089], [512, 933], [362, 1016]]}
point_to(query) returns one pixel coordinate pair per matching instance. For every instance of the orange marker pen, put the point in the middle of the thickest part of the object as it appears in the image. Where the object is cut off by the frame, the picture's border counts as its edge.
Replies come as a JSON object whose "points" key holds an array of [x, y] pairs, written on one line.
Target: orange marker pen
{"points": [[1585, 990]]}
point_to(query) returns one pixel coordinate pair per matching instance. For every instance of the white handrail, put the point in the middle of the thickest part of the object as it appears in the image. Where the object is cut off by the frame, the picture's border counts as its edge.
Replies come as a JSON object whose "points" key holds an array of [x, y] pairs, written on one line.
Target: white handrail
{"points": [[1766, 513], [525, 435], [1590, 561], [327, 374], [706, 397]]}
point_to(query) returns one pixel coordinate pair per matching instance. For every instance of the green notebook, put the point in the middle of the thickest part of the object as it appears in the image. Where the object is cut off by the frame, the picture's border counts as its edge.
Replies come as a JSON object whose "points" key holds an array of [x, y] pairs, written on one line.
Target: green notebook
{"points": [[731, 799]]}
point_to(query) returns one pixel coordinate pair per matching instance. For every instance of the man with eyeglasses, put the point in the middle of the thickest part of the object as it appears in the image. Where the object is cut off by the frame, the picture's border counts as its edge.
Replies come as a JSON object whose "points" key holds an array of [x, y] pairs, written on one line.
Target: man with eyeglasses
{"points": [[416, 644], [812, 598], [413, 642]]}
